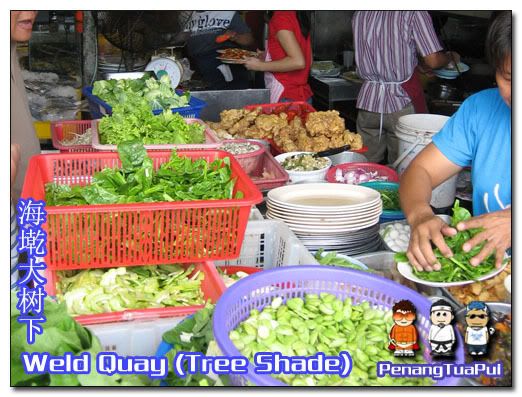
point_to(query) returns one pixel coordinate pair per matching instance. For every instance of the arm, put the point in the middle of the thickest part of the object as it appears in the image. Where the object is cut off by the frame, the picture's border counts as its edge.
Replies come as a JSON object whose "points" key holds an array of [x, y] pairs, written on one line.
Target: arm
{"points": [[243, 39], [439, 59], [428, 170], [294, 59]]}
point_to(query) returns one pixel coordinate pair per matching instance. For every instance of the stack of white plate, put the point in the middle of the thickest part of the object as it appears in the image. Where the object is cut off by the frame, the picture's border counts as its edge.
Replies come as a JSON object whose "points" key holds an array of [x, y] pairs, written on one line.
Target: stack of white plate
{"points": [[336, 217]]}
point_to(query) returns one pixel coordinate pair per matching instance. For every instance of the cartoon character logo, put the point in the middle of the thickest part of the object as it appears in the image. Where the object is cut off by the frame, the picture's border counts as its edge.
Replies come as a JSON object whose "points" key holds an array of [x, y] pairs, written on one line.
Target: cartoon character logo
{"points": [[403, 334], [442, 336], [477, 333]]}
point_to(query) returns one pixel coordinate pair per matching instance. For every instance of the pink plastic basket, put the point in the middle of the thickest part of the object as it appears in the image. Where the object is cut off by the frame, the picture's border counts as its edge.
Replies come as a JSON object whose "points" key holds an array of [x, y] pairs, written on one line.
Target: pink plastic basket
{"points": [[65, 130], [382, 171], [251, 162]]}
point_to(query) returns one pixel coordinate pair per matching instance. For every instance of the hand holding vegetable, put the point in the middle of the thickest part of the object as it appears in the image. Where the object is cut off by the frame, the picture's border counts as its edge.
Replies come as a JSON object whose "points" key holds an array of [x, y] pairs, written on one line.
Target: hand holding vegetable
{"points": [[496, 235], [425, 229]]}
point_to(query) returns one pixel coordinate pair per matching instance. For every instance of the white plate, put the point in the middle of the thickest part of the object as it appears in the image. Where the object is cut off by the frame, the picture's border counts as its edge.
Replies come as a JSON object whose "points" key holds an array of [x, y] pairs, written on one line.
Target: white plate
{"points": [[319, 212], [316, 231], [325, 209], [406, 270], [324, 220], [326, 225], [324, 196]]}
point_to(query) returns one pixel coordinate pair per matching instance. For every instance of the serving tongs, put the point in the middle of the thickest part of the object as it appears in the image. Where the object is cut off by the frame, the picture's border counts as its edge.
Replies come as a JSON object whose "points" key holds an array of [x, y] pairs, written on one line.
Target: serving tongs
{"points": [[331, 152]]}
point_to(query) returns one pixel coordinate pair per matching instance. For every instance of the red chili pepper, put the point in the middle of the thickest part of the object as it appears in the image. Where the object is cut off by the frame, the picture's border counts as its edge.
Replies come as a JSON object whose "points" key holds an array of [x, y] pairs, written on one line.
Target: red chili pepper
{"points": [[223, 37], [291, 115]]}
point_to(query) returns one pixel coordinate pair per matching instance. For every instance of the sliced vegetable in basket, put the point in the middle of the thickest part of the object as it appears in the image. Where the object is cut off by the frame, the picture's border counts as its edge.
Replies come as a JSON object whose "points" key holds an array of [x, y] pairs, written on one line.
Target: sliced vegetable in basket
{"points": [[324, 323], [458, 267], [230, 278], [179, 179], [138, 287]]}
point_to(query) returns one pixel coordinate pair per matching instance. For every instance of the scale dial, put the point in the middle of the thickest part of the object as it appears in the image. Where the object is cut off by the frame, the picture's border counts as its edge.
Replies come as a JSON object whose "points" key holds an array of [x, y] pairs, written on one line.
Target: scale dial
{"points": [[166, 65]]}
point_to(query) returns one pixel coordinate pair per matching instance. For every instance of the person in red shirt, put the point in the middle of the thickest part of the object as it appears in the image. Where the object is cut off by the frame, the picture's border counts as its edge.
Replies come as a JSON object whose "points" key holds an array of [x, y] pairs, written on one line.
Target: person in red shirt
{"points": [[288, 57]]}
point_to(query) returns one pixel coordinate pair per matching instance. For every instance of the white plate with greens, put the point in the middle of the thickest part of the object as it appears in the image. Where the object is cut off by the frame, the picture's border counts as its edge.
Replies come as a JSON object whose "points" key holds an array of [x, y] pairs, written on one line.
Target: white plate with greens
{"points": [[406, 270]]}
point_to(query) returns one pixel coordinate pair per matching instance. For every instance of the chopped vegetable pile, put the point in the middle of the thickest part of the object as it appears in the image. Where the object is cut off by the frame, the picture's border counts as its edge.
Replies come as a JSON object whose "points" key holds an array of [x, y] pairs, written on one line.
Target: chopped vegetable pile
{"points": [[61, 334], [239, 147], [134, 121], [158, 93], [333, 259], [323, 323], [179, 179], [458, 267], [84, 138], [358, 176], [390, 200], [230, 278], [138, 287], [304, 162], [194, 334]]}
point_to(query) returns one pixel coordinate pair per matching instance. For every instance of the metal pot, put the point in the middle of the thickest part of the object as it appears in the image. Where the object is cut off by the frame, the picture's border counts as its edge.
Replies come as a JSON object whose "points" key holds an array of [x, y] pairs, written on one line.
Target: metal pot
{"points": [[347, 157], [444, 91]]}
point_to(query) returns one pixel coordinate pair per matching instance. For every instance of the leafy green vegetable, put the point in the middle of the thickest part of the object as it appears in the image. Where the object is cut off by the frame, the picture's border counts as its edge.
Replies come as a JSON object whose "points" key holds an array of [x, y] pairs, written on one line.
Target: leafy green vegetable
{"points": [[194, 334], [61, 334], [332, 259], [390, 200], [324, 323], [458, 267], [134, 121], [116, 289], [179, 179], [158, 93]]}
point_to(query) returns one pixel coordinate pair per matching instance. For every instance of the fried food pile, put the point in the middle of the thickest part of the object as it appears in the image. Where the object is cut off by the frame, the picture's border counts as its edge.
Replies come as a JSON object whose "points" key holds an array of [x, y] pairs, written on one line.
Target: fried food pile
{"points": [[321, 131]]}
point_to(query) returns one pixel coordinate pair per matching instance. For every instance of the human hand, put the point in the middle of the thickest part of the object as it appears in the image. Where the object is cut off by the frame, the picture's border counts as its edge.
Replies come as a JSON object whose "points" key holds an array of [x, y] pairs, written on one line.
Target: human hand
{"points": [[426, 229], [496, 234], [453, 57], [15, 159], [254, 63]]}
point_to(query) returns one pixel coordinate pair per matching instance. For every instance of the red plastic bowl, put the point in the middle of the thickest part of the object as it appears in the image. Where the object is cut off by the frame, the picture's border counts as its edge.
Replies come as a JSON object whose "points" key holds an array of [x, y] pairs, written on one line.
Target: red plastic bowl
{"points": [[368, 167]]}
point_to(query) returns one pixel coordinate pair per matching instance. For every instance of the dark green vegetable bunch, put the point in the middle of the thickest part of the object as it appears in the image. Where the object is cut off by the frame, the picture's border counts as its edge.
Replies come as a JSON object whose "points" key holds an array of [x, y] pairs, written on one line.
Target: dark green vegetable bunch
{"points": [[458, 267], [179, 179], [390, 200], [194, 334]]}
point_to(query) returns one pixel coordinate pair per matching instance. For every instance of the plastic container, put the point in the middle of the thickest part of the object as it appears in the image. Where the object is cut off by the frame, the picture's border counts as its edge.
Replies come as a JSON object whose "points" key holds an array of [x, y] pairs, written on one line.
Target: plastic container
{"points": [[269, 244], [382, 170], [259, 289], [415, 132], [304, 176], [133, 338], [387, 215], [211, 140], [108, 235], [252, 161], [65, 130], [212, 287], [99, 108], [270, 174]]}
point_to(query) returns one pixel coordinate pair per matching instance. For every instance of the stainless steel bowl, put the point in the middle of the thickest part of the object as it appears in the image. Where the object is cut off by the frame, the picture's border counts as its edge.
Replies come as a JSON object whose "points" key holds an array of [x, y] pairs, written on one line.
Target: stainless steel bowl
{"points": [[348, 157]]}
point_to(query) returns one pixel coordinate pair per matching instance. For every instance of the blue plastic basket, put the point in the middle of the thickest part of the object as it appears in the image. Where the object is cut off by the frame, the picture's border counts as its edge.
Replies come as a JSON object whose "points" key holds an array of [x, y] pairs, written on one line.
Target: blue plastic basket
{"points": [[98, 108], [258, 290], [387, 215]]}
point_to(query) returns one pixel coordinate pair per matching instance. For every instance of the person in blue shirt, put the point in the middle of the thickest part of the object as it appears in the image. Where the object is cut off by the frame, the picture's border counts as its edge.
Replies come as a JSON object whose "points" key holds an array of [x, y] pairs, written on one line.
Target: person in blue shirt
{"points": [[478, 135]]}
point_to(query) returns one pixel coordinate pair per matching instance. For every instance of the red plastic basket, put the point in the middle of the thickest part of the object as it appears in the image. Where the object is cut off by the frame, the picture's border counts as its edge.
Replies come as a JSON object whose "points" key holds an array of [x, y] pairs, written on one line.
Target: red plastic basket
{"points": [[368, 167], [270, 174], [64, 130], [212, 287], [105, 235]]}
